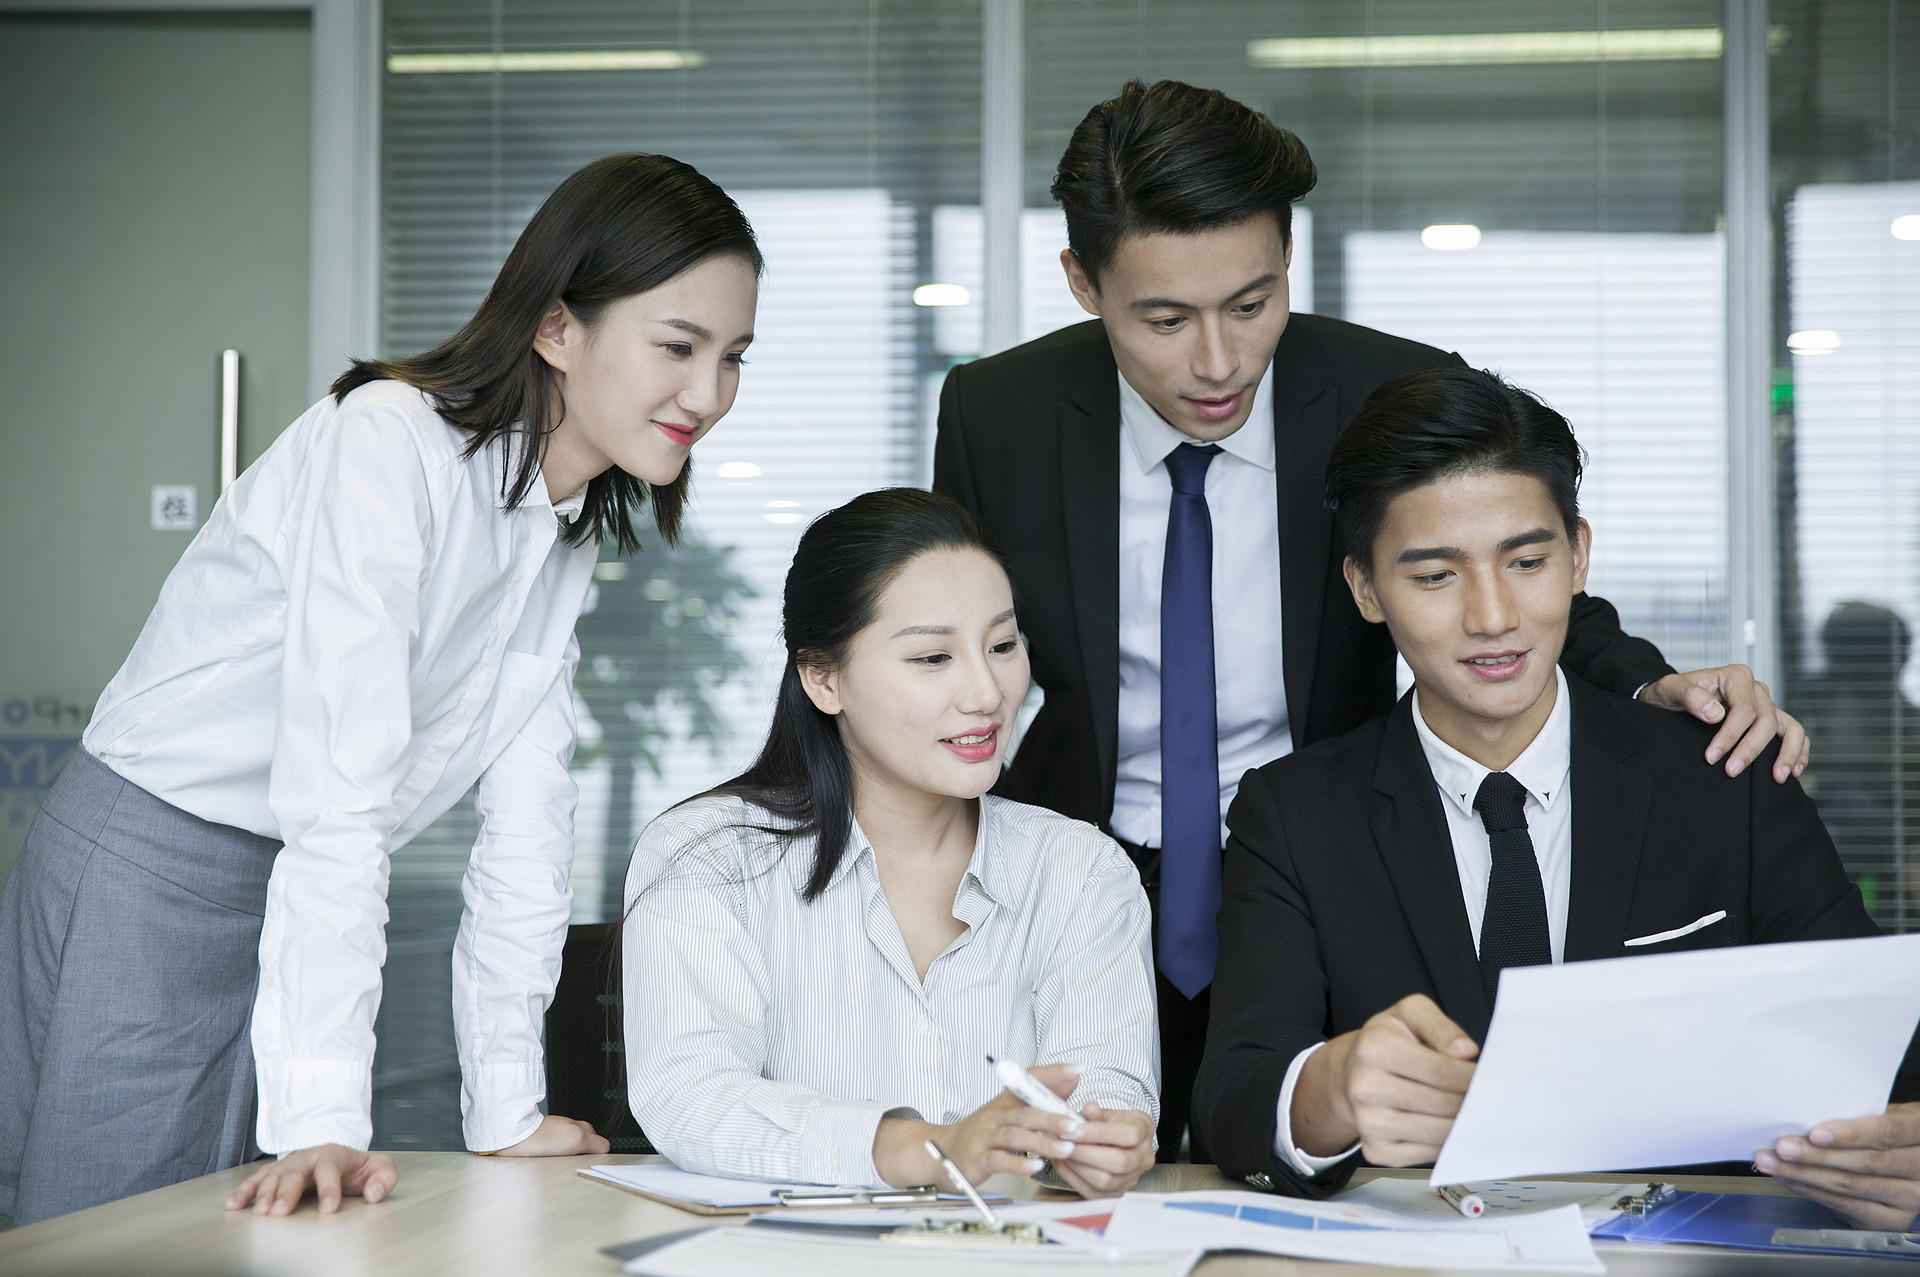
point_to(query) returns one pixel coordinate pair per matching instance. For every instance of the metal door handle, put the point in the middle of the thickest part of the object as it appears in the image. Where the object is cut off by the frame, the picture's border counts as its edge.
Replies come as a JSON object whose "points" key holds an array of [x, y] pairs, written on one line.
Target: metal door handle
{"points": [[229, 417]]}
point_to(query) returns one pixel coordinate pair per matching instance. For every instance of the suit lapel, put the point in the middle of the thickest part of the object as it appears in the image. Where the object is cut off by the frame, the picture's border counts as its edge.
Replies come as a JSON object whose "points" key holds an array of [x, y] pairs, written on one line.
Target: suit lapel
{"points": [[1610, 805], [1410, 832], [1306, 417], [1088, 420]]}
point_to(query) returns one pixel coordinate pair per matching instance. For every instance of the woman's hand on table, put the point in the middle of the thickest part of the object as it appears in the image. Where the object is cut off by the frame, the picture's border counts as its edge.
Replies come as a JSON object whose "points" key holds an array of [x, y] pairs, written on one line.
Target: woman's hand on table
{"points": [[1112, 1152], [1002, 1135], [559, 1137], [1866, 1169], [330, 1170]]}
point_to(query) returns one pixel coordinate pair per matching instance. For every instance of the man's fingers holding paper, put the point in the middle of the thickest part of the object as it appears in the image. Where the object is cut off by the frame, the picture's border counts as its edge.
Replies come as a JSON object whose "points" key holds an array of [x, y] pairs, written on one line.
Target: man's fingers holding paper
{"points": [[1870, 1166]]}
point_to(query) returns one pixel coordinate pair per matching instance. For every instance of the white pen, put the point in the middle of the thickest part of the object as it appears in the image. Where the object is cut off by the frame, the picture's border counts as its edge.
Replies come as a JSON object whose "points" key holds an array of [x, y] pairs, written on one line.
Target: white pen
{"points": [[1466, 1202], [961, 1182], [1030, 1088]]}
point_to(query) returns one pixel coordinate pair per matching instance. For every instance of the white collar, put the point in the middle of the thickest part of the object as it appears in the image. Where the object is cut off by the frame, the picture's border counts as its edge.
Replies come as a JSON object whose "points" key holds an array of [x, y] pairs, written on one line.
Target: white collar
{"points": [[1541, 768], [1152, 438]]}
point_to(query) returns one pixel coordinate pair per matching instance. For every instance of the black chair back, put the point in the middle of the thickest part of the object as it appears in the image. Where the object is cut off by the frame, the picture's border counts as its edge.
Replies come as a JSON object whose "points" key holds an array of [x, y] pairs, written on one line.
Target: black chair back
{"points": [[586, 1052]]}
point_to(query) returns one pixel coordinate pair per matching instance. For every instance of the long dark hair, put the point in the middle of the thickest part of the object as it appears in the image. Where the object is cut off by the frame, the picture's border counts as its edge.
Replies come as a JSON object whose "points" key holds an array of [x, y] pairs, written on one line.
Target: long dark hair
{"points": [[846, 560], [621, 225]]}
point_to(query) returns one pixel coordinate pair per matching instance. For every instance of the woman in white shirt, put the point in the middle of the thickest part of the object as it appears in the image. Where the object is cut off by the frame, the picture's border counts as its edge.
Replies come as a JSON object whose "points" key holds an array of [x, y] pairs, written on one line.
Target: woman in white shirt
{"points": [[820, 955], [378, 614]]}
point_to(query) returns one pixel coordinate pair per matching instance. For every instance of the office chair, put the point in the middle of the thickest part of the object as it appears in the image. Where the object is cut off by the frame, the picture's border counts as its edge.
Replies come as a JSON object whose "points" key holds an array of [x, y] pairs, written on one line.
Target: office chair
{"points": [[586, 1054]]}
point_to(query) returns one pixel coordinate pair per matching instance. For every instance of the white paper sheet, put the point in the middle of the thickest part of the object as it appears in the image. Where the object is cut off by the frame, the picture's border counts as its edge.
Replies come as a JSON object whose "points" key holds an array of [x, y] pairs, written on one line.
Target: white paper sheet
{"points": [[1672, 1059], [1416, 1199], [745, 1252], [667, 1180], [663, 1179], [1553, 1241]]}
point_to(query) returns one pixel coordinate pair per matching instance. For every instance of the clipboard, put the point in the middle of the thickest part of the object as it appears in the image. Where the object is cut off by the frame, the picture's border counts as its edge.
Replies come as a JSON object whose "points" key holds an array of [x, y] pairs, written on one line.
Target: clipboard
{"points": [[769, 1197], [1735, 1221]]}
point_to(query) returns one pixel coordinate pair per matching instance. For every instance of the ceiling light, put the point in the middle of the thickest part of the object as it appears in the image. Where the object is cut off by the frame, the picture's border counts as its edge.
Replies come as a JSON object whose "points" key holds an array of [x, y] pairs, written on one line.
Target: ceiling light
{"points": [[1666, 44], [1907, 227], [783, 518], [1450, 238], [1814, 341], [941, 295], [738, 470], [555, 60]]}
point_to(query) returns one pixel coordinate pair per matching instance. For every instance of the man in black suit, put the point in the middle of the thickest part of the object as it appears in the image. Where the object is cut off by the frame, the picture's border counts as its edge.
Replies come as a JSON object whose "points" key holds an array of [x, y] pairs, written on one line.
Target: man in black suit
{"points": [[1178, 204], [1504, 814]]}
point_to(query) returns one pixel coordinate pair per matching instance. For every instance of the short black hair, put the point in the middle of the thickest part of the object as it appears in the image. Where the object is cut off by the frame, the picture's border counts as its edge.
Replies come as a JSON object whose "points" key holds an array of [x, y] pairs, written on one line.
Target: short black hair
{"points": [[1437, 423], [1172, 158]]}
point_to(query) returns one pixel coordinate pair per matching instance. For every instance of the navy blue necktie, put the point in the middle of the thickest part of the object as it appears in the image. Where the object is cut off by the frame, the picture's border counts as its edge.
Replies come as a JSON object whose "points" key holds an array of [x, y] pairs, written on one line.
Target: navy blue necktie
{"points": [[1189, 732], [1513, 930]]}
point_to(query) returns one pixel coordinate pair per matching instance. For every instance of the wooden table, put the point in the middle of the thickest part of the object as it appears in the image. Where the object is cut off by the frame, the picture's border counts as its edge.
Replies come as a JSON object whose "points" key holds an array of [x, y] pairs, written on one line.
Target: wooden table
{"points": [[477, 1217]]}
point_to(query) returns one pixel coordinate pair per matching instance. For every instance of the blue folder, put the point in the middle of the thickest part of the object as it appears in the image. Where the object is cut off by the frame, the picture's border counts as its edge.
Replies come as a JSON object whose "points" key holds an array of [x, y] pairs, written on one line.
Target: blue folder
{"points": [[1740, 1221]]}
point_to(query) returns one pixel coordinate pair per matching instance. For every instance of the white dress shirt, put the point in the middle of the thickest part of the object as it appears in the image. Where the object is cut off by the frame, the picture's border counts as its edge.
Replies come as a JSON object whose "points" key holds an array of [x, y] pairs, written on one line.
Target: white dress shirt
{"points": [[766, 1037], [360, 632], [1250, 693], [1545, 769]]}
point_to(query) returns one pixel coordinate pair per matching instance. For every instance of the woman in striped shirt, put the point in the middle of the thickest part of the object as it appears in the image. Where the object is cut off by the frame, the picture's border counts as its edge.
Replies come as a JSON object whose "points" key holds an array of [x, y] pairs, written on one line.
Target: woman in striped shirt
{"points": [[821, 953]]}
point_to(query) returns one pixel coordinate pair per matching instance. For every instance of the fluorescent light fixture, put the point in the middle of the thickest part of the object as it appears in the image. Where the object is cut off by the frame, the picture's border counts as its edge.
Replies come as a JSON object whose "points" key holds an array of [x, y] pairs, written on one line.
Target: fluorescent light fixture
{"points": [[1814, 341], [941, 295], [610, 570], [781, 516], [738, 470], [1449, 239], [1665, 44], [554, 60], [783, 505], [1907, 227]]}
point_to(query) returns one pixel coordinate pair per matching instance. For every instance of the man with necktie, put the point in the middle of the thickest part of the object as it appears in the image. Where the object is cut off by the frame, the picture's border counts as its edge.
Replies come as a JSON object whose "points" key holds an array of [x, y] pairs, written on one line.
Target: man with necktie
{"points": [[1179, 586], [1504, 814]]}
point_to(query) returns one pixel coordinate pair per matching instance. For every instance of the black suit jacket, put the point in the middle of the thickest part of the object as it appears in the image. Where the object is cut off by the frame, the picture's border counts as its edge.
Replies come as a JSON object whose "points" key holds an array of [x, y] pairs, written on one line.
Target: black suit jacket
{"points": [[1029, 441], [1341, 894]]}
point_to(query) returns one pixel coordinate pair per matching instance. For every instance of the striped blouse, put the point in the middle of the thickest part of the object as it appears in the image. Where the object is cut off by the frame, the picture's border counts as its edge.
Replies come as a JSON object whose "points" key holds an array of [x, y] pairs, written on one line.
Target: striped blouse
{"points": [[766, 1037]]}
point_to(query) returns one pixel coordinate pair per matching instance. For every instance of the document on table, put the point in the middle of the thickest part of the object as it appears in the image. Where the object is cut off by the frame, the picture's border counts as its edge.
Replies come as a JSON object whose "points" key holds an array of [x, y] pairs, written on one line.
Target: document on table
{"points": [[742, 1251], [1416, 1198], [667, 1183], [1677, 1058], [1550, 1241]]}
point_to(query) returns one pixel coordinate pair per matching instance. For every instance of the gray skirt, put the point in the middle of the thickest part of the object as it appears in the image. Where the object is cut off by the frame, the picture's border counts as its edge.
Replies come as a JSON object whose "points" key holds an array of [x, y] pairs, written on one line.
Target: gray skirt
{"points": [[129, 955]]}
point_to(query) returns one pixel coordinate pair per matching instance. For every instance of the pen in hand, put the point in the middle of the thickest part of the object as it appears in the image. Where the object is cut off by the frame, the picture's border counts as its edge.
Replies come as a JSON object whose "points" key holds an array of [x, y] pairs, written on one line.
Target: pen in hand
{"points": [[961, 1182], [1030, 1089]]}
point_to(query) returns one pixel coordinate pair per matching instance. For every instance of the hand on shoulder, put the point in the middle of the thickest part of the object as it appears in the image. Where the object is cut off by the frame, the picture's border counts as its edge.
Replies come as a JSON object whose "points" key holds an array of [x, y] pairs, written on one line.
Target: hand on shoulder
{"points": [[1743, 707]]}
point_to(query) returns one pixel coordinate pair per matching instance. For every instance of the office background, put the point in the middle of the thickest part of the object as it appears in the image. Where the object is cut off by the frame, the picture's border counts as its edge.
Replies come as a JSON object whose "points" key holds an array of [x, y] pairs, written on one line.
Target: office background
{"points": [[1694, 226]]}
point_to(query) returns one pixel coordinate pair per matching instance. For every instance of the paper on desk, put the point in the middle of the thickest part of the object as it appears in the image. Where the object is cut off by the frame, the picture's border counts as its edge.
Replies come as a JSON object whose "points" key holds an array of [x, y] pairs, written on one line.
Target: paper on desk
{"points": [[1553, 1241], [1415, 1198], [1671, 1059], [663, 1179], [749, 1252], [1075, 1223]]}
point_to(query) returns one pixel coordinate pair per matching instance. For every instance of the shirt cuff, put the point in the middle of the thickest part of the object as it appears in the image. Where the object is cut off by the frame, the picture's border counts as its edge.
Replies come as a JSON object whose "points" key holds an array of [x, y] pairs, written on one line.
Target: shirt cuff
{"points": [[836, 1144], [306, 1103], [500, 1104], [1283, 1146]]}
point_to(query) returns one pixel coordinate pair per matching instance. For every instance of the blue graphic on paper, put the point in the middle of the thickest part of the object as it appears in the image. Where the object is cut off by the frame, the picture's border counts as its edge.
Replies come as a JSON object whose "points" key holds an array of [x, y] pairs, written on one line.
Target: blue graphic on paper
{"points": [[1274, 1218]]}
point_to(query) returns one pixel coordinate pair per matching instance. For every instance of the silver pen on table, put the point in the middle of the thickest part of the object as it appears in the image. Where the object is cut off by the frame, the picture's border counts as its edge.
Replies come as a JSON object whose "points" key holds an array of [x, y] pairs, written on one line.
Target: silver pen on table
{"points": [[966, 1185]]}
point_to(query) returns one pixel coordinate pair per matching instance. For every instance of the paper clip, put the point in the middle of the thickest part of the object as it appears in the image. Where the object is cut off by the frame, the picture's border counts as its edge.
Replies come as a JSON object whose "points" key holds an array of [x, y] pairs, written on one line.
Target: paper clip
{"points": [[1653, 1198], [967, 1231], [923, 1195]]}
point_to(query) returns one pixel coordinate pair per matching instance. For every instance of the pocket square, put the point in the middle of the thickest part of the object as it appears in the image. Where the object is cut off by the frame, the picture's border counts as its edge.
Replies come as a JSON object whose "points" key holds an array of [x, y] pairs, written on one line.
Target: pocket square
{"points": [[1677, 932]]}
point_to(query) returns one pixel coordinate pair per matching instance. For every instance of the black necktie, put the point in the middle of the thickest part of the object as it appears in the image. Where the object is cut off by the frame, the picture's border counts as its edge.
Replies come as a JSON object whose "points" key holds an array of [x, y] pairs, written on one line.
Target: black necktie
{"points": [[1513, 930]]}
